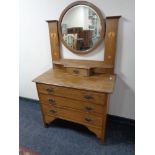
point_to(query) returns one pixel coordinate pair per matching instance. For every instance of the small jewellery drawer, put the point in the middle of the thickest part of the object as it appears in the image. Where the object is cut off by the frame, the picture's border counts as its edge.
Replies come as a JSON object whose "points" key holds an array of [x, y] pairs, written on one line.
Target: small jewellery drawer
{"points": [[57, 101], [83, 95], [78, 71], [73, 115]]}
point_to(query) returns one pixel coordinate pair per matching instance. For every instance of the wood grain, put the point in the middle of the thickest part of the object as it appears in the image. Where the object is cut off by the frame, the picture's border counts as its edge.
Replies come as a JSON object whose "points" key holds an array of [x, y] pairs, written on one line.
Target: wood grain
{"points": [[74, 116], [87, 64], [82, 95], [110, 39], [98, 83], [78, 71], [97, 130], [54, 39], [88, 107]]}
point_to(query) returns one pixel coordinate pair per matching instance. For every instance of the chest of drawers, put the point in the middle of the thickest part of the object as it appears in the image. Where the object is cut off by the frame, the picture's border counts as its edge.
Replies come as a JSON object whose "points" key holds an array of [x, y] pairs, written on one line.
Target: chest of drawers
{"points": [[78, 90], [84, 101]]}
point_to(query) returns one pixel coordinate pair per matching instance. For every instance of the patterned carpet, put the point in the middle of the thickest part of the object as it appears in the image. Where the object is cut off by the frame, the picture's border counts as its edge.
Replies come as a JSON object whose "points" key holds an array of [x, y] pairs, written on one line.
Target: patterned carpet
{"points": [[23, 151], [66, 138]]}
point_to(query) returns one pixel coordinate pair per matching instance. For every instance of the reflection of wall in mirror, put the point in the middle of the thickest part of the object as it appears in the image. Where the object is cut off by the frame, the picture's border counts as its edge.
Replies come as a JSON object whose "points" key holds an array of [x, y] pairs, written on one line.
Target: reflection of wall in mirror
{"points": [[78, 17], [74, 17]]}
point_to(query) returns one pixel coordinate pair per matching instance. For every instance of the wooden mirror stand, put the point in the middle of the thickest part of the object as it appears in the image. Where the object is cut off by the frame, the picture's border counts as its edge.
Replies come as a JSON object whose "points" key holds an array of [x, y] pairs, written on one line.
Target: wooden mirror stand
{"points": [[78, 90], [86, 67]]}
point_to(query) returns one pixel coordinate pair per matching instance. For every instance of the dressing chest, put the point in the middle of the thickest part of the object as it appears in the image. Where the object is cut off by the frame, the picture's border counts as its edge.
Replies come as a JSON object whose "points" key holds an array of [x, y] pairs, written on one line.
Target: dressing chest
{"points": [[78, 90]]}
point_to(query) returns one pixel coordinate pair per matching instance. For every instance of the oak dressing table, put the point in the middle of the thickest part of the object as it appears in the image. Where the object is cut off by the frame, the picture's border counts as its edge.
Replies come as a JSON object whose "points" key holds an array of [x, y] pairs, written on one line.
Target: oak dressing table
{"points": [[78, 90]]}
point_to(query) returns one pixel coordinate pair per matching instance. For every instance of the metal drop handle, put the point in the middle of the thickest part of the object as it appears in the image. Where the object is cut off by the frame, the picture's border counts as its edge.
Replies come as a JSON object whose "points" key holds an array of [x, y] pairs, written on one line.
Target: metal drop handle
{"points": [[87, 108], [76, 71], [49, 90], [88, 97], [88, 119], [53, 111], [51, 101]]}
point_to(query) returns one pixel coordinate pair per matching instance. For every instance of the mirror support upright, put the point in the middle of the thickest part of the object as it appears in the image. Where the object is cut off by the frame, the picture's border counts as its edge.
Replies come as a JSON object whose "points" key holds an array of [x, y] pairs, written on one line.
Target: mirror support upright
{"points": [[110, 39], [54, 39]]}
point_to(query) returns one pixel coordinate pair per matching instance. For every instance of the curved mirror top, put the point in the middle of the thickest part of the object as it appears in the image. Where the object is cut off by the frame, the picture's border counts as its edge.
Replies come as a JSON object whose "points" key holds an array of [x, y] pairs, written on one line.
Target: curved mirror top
{"points": [[81, 29]]}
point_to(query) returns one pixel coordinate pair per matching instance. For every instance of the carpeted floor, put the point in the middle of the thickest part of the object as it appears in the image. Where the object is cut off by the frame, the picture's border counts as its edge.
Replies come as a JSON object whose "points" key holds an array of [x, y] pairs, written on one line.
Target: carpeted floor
{"points": [[66, 138]]}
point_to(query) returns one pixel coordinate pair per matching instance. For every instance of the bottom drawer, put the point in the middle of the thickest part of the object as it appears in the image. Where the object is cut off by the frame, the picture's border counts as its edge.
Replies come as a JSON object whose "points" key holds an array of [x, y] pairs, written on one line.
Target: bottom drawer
{"points": [[72, 115]]}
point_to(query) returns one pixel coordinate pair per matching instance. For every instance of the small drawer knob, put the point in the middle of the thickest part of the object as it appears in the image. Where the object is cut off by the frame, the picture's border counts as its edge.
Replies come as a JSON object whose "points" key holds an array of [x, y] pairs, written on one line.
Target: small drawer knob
{"points": [[88, 119], [88, 97], [49, 90]]}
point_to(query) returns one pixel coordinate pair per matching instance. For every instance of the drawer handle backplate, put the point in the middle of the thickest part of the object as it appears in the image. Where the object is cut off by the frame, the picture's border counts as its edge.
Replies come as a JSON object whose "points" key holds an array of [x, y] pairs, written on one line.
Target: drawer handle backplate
{"points": [[49, 90], [76, 71], [88, 97], [88, 119], [51, 101], [87, 108], [53, 111]]}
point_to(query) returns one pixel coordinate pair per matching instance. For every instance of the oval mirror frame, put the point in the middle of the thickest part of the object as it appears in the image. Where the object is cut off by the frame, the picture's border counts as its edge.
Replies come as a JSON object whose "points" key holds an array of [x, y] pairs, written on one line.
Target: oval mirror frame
{"points": [[102, 21]]}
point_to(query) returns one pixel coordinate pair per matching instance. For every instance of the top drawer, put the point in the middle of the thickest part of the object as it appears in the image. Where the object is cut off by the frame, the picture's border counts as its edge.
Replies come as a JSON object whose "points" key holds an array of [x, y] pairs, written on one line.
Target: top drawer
{"points": [[83, 95]]}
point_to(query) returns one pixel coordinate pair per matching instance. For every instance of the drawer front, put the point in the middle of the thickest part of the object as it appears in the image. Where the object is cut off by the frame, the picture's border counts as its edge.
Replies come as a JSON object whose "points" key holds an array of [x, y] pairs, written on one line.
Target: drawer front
{"points": [[87, 107], [73, 115], [88, 96], [78, 71]]}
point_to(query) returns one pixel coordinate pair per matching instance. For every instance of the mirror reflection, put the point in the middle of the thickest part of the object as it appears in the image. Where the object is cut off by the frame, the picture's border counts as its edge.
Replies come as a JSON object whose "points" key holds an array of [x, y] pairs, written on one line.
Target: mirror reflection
{"points": [[81, 28]]}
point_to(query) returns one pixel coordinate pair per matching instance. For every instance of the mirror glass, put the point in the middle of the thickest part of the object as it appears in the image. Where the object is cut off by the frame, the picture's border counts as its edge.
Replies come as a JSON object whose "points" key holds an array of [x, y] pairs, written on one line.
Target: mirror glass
{"points": [[81, 28]]}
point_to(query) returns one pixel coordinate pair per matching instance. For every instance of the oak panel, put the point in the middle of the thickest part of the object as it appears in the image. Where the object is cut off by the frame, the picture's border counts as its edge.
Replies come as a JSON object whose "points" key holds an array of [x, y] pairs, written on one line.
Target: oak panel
{"points": [[73, 116], [103, 83], [54, 39], [87, 107], [78, 71], [110, 39], [88, 96]]}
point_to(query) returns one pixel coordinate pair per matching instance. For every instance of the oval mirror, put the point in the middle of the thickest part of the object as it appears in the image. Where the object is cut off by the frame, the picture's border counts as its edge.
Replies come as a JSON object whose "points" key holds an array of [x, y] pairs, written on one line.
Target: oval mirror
{"points": [[81, 27]]}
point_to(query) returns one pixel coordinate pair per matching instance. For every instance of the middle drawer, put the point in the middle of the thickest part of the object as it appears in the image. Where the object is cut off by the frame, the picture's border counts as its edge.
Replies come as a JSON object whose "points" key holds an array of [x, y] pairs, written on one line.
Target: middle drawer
{"points": [[71, 103]]}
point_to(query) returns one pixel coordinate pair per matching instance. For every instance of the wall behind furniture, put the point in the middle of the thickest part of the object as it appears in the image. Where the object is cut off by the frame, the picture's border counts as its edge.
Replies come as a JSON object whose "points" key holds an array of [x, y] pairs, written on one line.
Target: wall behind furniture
{"points": [[35, 57]]}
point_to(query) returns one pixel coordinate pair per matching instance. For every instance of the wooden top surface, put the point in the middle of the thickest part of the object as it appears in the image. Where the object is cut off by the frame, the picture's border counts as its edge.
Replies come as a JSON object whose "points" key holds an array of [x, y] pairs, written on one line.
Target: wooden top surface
{"points": [[98, 83], [82, 63]]}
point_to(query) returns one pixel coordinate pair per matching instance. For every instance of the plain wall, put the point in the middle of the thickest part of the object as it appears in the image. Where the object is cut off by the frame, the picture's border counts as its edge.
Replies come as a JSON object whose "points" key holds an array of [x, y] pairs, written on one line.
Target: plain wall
{"points": [[35, 54]]}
